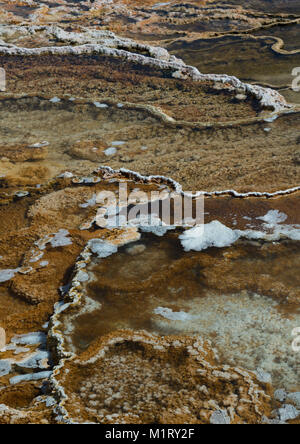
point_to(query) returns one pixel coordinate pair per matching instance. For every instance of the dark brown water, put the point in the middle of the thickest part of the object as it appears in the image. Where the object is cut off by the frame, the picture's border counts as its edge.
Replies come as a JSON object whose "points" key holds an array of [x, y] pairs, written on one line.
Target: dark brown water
{"points": [[236, 297], [238, 56]]}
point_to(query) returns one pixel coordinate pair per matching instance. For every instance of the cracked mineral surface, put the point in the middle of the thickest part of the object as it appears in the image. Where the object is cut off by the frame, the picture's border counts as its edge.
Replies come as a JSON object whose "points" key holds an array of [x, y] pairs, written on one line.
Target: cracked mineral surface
{"points": [[114, 310]]}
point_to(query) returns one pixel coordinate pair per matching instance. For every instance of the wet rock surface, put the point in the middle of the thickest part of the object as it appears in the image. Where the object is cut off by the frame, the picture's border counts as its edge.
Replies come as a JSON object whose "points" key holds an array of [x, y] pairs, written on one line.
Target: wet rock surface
{"points": [[134, 323]]}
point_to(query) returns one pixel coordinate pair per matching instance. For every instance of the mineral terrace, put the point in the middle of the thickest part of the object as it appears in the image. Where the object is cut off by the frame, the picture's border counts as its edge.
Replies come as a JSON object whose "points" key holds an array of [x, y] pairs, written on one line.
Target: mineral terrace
{"points": [[162, 323]]}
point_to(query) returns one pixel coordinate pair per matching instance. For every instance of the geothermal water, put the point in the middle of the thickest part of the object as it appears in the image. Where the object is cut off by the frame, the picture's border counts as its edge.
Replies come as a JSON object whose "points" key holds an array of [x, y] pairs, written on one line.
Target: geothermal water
{"points": [[153, 285], [149, 324]]}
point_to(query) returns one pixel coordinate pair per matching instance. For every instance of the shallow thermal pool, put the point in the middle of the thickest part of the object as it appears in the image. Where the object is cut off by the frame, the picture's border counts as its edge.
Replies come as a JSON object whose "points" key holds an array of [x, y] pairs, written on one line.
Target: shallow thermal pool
{"points": [[240, 298]]}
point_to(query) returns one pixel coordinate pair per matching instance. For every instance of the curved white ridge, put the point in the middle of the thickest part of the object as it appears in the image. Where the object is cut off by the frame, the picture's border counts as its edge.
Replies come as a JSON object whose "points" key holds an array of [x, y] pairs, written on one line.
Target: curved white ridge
{"points": [[108, 44], [178, 187]]}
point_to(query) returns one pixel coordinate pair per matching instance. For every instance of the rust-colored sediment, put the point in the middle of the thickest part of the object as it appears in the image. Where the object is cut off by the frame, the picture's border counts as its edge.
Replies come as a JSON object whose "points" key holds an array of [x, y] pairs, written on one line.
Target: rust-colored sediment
{"points": [[138, 378], [207, 135]]}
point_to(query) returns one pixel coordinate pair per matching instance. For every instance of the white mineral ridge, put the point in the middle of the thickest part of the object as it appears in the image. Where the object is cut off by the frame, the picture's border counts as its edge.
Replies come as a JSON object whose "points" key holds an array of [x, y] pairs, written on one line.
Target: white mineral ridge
{"points": [[107, 43], [178, 188], [82, 276], [66, 175]]}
